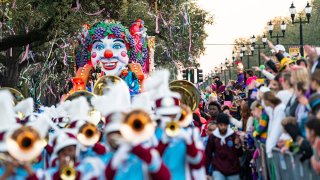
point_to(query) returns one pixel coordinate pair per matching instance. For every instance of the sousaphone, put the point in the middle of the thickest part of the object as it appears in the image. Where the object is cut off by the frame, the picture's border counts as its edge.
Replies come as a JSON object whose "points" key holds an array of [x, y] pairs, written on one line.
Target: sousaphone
{"points": [[190, 95], [80, 93], [17, 95]]}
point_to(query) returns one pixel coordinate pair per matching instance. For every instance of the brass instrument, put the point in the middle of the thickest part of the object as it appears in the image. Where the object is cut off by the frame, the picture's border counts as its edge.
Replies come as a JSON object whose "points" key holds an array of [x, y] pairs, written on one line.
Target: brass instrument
{"points": [[186, 116], [25, 144], [172, 128], [77, 94], [105, 83], [88, 134], [190, 96], [68, 172], [95, 117], [17, 95], [137, 126]]}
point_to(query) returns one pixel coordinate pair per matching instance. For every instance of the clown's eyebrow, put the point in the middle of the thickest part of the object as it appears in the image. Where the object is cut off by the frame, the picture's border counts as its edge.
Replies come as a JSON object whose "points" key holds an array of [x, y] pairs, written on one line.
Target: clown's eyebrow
{"points": [[119, 40], [98, 40]]}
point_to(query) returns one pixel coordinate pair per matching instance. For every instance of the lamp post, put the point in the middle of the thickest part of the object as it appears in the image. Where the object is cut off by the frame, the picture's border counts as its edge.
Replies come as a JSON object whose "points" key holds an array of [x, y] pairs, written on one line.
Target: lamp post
{"points": [[216, 71], [293, 12], [243, 52], [234, 55], [223, 70], [283, 27], [211, 78], [229, 65], [259, 47], [243, 49]]}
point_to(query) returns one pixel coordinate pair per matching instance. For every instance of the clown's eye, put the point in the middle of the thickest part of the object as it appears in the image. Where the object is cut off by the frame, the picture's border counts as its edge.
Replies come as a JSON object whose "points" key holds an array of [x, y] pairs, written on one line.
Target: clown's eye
{"points": [[117, 46], [99, 46]]}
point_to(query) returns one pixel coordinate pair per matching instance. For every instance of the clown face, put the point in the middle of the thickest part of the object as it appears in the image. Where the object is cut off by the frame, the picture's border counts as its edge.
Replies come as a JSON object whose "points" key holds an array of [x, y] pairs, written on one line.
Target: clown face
{"points": [[111, 54]]}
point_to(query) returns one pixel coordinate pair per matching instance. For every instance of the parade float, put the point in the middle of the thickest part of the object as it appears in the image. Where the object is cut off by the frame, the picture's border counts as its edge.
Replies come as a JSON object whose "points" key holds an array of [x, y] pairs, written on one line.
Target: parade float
{"points": [[109, 52]]}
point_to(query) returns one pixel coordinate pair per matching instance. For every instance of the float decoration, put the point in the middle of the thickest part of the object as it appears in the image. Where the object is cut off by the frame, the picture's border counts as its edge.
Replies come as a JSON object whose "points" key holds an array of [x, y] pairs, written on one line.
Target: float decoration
{"points": [[110, 49]]}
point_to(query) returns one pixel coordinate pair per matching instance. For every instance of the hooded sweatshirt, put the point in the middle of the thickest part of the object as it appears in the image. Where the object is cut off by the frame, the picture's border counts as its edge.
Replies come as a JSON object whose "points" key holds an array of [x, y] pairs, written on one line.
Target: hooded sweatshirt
{"points": [[226, 155]]}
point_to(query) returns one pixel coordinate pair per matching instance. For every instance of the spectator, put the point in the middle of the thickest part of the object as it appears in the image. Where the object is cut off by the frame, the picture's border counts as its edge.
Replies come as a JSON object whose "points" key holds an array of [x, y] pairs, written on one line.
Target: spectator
{"points": [[275, 84], [214, 109], [314, 105], [246, 119], [217, 82], [291, 127], [313, 136], [210, 128], [315, 81], [249, 76], [302, 62], [260, 122], [286, 95], [226, 146], [275, 111]]}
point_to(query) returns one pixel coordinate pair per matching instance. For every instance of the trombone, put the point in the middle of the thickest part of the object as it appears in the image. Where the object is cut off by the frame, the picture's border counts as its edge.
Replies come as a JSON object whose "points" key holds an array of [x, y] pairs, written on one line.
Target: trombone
{"points": [[137, 126], [172, 128], [88, 134], [68, 171], [25, 144]]}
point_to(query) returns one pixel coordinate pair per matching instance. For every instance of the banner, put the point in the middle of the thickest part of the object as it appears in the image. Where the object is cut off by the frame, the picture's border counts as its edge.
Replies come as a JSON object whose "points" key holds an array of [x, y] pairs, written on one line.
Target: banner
{"points": [[294, 51]]}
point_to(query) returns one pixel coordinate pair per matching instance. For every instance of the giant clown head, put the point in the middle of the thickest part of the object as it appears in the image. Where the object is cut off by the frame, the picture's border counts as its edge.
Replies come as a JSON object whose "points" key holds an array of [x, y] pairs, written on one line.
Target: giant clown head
{"points": [[110, 46]]}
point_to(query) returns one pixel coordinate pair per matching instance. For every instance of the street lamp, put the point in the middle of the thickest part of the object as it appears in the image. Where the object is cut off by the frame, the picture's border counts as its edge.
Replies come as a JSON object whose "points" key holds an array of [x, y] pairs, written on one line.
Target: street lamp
{"points": [[308, 10], [283, 27], [224, 73], [241, 55], [216, 70], [259, 47], [229, 65], [243, 52], [264, 40], [253, 40], [234, 55], [211, 77]]}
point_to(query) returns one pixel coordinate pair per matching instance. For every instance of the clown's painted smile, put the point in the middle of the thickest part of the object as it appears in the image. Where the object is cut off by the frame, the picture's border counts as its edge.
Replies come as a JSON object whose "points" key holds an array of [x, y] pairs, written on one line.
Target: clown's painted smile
{"points": [[109, 65]]}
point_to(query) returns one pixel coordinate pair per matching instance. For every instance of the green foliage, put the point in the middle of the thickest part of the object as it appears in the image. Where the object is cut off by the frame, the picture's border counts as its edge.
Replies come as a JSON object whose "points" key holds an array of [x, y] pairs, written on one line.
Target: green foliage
{"points": [[311, 34], [51, 66]]}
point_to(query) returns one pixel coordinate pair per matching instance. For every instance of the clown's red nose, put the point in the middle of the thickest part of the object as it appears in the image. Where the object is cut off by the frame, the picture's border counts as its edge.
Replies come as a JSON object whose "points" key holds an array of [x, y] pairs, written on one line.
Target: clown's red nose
{"points": [[108, 54]]}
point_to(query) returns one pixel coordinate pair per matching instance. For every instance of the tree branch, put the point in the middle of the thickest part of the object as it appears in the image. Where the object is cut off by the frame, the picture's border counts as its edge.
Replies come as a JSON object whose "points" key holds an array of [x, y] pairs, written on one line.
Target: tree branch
{"points": [[22, 40]]}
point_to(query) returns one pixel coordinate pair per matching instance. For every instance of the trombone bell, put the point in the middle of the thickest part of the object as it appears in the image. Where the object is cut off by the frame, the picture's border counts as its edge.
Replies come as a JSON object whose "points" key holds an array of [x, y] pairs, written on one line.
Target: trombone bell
{"points": [[172, 128], [137, 126], [68, 172], [25, 144], [88, 134]]}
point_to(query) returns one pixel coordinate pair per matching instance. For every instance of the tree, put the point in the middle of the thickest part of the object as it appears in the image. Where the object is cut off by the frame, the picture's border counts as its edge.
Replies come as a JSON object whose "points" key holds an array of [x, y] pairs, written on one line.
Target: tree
{"points": [[46, 30], [311, 33]]}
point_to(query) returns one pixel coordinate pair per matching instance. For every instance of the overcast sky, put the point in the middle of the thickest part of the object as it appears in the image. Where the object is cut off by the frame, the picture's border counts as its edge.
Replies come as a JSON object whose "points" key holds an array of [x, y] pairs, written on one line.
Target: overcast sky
{"points": [[238, 18]]}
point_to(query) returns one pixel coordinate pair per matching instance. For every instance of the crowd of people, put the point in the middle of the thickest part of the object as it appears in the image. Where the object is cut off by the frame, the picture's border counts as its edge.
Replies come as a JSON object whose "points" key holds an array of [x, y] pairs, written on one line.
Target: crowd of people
{"points": [[274, 106], [231, 134]]}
